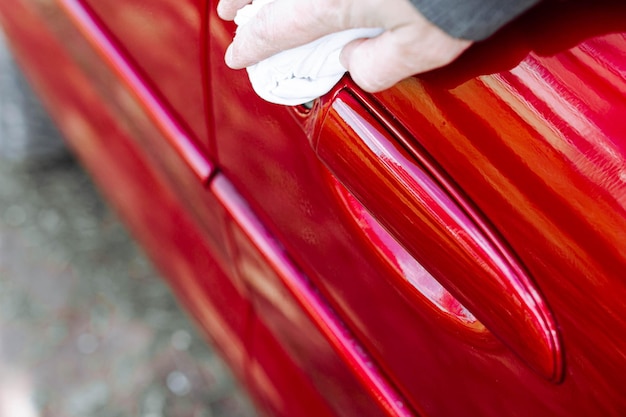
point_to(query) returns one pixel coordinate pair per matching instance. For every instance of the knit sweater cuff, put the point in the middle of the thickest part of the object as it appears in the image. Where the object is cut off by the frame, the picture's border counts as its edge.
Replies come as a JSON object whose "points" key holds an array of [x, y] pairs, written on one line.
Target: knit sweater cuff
{"points": [[472, 19]]}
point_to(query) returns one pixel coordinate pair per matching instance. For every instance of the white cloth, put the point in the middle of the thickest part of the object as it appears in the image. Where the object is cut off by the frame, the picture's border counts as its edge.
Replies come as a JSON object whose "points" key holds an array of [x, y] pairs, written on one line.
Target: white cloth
{"points": [[301, 74]]}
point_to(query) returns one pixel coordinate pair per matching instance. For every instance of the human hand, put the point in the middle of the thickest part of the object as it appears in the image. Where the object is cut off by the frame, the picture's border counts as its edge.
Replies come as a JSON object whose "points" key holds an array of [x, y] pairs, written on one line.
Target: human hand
{"points": [[409, 45]]}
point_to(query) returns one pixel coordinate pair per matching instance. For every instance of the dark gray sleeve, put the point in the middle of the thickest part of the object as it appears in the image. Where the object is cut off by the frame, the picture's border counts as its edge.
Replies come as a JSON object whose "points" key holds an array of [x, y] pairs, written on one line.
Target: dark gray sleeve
{"points": [[472, 19]]}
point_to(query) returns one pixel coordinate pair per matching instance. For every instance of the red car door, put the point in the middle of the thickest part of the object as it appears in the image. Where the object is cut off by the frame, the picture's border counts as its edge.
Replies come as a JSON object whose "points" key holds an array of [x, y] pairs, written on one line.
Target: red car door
{"points": [[136, 117], [467, 226], [165, 41]]}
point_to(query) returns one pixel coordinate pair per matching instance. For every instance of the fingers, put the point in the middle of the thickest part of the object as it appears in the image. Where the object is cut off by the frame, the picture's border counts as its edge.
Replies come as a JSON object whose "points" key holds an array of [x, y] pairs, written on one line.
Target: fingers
{"points": [[281, 25], [410, 44], [227, 9], [378, 63]]}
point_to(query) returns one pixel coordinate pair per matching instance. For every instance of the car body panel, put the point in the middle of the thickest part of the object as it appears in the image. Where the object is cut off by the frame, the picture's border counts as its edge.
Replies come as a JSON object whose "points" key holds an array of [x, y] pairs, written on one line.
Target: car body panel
{"points": [[181, 226], [420, 350], [525, 129], [334, 365], [179, 137], [165, 41], [422, 210]]}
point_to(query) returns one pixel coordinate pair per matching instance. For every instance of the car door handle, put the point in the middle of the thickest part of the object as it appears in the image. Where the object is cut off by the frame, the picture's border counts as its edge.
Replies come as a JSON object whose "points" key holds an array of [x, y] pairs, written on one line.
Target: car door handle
{"points": [[425, 213]]}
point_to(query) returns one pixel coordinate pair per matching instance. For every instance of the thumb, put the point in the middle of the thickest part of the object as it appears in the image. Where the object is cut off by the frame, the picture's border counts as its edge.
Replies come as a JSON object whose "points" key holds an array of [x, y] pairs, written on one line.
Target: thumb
{"points": [[378, 63], [369, 70]]}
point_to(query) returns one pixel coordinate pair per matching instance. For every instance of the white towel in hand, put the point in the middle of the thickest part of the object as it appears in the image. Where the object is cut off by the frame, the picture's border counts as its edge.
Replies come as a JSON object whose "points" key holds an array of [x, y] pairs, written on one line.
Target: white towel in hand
{"points": [[301, 74]]}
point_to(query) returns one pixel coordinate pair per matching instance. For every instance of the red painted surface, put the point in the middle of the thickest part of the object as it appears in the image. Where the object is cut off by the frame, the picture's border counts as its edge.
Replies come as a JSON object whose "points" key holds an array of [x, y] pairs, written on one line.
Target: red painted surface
{"points": [[273, 373], [526, 134], [165, 41], [176, 135], [443, 232], [312, 336], [526, 195], [111, 138], [412, 276]]}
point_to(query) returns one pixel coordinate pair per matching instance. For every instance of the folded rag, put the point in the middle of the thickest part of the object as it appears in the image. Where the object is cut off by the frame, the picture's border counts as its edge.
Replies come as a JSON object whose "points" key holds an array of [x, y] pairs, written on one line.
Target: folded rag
{"points": [[301, 74]]}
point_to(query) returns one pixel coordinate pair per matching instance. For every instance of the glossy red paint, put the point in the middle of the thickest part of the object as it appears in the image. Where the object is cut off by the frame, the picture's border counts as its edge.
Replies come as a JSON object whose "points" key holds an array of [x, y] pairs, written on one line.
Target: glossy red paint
{"points": [[414, 278], [111, 139], [302, 322], [176, 135], [165, 42], [443, 232], [523, 135], [290, 190]]}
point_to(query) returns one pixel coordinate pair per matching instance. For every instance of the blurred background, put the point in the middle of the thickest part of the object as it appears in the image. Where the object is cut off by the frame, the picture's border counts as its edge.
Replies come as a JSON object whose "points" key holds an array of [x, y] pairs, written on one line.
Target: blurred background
{"points": [[87, 328]]}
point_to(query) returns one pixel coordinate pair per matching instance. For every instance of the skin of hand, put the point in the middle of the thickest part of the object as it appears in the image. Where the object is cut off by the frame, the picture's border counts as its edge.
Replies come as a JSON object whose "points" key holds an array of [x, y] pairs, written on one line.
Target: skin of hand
{"points": [[410, 44]]}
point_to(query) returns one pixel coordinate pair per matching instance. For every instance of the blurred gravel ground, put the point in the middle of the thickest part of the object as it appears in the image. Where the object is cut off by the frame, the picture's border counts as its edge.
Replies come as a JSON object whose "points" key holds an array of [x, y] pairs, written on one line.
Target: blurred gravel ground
{"points": [[86, 326]]}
